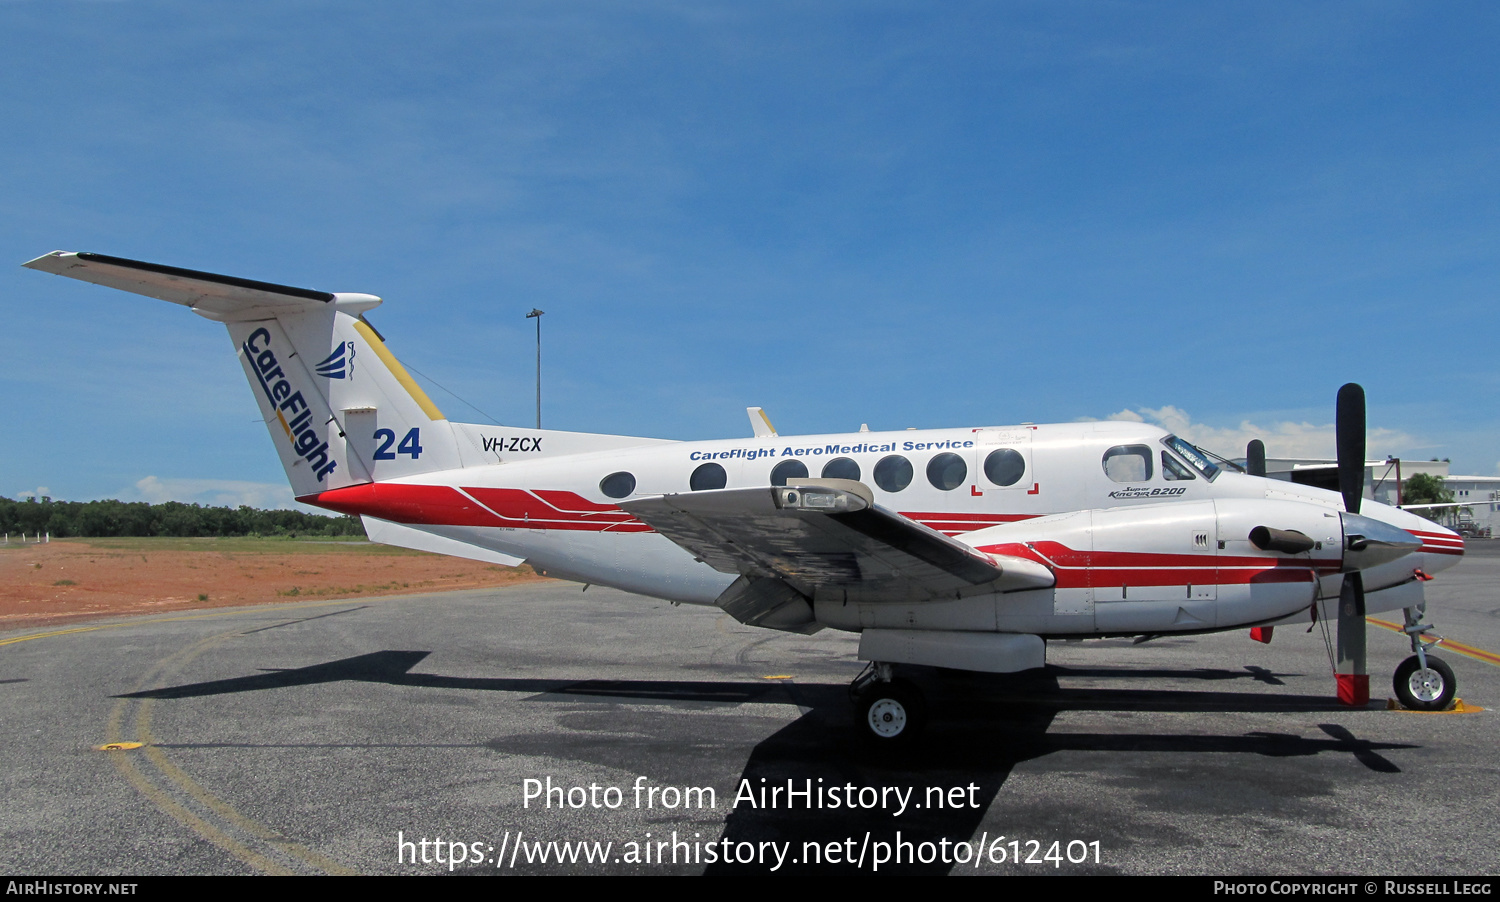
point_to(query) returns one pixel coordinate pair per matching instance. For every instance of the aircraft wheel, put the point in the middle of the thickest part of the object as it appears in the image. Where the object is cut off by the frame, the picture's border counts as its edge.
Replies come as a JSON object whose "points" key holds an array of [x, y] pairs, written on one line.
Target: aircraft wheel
{"points": [[1425, 690], [892, 713]]}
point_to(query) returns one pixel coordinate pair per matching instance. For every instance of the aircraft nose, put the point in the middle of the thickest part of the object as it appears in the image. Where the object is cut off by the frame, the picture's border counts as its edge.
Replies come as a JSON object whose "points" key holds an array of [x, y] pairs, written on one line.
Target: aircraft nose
{"points": [[1369, 542], [1442, 543]]}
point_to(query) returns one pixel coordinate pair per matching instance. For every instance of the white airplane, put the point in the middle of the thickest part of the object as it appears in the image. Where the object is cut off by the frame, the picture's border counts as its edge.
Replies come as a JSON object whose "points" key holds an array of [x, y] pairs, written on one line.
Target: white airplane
{"points": [[961, 548]]}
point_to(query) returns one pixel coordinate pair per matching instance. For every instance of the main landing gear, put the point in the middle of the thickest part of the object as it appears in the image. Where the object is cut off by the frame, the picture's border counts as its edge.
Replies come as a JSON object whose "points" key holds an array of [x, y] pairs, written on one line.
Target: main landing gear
{"points": [[1423, 682], [891, 712]]}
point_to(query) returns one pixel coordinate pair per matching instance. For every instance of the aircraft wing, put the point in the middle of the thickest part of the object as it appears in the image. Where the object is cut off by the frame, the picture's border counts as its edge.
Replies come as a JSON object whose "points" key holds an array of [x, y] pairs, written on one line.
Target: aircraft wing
{"points": [[223, 298], [826, 538], [1415, 507]]}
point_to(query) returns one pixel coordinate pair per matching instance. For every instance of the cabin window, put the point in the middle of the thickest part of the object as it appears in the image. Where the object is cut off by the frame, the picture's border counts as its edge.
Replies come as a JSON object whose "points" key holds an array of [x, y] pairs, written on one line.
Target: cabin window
{"points": [[617, 485], [708, 476], [893, 473], [1005, 466], [1171, 469], [788, 469], [1128, 463], [947, 471], [841, 468]]}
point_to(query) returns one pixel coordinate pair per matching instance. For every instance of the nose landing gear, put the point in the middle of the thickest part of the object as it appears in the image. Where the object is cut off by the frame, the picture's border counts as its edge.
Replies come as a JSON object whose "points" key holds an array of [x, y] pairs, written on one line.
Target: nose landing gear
{"points": [[1423, 682]]}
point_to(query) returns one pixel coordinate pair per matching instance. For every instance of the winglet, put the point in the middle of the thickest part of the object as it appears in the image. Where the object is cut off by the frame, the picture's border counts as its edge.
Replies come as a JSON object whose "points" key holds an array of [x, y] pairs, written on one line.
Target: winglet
{"points": [[760, 424]]}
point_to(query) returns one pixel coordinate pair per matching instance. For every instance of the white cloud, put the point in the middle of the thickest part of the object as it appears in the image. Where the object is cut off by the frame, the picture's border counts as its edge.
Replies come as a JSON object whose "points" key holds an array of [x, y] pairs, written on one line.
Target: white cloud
{"points": [[214, 493], [1283, 439], [41, 491]]}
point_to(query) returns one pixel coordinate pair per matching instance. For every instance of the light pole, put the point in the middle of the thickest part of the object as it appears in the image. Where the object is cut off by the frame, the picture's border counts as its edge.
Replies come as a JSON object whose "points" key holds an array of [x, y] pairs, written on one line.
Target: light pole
{"points": [[537, 315]]}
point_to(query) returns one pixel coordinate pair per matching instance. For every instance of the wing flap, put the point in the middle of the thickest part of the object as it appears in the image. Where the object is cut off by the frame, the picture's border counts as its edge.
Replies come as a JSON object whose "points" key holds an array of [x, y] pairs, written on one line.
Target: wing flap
{"points": [[822, 539]]}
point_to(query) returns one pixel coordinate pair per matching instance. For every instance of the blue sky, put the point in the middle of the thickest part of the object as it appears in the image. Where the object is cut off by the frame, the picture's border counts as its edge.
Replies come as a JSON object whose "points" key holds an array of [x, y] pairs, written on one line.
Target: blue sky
{"points": [[902, 214]]}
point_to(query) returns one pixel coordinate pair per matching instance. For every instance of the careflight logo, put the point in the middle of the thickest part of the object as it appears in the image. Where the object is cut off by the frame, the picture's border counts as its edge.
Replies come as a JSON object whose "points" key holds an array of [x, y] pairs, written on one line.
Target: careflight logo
{"points": [[339, 364], [286, 402]]}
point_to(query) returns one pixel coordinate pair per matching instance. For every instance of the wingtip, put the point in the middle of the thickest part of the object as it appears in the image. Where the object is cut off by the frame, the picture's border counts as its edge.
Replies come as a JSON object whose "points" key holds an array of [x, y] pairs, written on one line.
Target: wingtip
{"points": [[53, 258]]}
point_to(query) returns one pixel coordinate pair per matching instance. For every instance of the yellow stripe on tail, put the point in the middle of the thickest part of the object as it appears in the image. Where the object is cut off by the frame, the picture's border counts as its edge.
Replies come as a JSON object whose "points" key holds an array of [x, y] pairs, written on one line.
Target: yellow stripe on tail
{"points": [[399, 371]]}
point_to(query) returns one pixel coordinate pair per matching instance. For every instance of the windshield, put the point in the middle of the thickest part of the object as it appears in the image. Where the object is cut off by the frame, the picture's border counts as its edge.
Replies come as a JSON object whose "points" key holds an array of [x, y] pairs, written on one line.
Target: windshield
{"points": [[1202, 461]]}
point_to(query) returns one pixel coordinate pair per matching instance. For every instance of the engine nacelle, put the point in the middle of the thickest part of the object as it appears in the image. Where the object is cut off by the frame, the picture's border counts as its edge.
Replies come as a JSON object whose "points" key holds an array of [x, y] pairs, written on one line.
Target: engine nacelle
{"points": [[1173, 567]]}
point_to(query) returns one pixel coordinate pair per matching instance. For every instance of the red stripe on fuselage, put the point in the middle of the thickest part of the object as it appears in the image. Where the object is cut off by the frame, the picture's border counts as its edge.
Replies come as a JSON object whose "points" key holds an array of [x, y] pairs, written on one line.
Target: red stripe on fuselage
{"points": [[984, 518], [522, 508], [441, 505], [1439, 542], [1081, 569], [958, 524], [428, 505]]}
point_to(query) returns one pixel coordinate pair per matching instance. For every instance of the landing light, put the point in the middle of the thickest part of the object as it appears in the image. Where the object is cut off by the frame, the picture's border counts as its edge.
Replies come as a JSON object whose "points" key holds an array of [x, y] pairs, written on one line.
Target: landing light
{"points": [[805, 499]]}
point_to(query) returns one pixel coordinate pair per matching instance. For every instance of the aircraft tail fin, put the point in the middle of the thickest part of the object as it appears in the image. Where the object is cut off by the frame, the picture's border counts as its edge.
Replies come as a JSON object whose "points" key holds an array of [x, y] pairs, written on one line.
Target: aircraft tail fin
{"points": [[340, 408]]}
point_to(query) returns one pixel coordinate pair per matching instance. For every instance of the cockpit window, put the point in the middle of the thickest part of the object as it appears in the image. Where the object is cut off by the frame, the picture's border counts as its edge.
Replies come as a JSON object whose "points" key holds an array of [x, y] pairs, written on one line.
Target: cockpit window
{"points": [[1200, 459], [1172, 470], [1128, 463]]}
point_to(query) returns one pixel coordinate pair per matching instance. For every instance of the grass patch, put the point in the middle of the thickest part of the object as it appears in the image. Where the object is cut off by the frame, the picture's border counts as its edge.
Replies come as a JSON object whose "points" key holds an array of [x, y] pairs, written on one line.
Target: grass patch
{"points": [[65, 582]]}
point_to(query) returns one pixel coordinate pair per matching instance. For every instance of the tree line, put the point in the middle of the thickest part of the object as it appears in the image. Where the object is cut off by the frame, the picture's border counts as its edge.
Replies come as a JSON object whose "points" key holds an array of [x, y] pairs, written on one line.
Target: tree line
{"points": [[102, 519]]}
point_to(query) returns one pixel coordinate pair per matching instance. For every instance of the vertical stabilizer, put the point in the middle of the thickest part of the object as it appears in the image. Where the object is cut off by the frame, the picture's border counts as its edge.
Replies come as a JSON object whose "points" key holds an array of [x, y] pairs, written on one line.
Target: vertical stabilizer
{"points": [[340, 408]]}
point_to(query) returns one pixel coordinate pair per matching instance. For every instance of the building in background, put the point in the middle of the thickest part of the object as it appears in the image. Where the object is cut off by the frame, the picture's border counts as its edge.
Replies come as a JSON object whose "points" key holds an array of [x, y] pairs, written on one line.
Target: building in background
{"points": [[1480, 518]]}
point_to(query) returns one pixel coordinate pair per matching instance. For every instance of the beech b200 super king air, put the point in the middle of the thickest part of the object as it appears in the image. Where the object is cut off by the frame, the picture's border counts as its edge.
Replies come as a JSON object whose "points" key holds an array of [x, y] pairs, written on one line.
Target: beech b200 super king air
{"points": [[961, 548]]}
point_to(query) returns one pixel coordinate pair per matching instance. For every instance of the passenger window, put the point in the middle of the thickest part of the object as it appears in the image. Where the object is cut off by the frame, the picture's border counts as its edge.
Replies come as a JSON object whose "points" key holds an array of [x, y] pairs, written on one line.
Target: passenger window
{"points": [[1004, 467], [893, 473], [1128, 463], [708, 476], [788, 469], [841, 468], [947, 471], [1171, 469], [617, 485]]}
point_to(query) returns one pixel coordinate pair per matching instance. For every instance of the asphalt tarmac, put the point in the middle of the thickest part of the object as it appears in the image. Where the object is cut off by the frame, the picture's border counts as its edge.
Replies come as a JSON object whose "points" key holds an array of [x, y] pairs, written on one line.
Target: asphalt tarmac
{"points": [[418, 735]]}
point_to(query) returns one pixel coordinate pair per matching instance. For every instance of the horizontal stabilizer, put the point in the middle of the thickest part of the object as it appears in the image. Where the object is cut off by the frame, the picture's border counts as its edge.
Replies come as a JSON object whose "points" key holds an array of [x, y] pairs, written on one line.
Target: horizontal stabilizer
{"points": [[402, 536], [217, 297]]}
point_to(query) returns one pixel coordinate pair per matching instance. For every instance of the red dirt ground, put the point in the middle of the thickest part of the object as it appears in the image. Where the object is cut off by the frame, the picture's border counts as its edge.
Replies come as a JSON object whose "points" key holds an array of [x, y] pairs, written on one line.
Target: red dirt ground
{"points": [[78, 579]]}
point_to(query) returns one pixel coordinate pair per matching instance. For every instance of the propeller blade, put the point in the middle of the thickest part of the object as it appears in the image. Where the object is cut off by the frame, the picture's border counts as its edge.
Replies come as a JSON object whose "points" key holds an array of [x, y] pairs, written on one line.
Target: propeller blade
{"points": [[1350, 428], [1350, 673], [1255, 457]]}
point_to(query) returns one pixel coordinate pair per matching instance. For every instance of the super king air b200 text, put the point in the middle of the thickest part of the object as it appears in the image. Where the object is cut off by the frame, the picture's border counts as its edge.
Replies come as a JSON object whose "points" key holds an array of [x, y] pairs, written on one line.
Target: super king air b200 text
{"points": [[962, 548]]}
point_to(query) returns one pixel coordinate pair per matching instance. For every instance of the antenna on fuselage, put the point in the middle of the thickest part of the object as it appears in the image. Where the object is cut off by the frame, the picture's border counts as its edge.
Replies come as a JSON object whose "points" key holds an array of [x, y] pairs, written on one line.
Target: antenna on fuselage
{"points": [[760, 424]]}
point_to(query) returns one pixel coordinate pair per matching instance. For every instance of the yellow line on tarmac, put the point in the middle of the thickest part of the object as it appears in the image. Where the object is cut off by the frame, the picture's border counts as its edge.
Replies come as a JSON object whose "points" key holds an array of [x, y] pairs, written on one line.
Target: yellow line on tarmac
{"points": [[171, 806], [81, 629], [175, 776], [190, 786], [1477, 654]]}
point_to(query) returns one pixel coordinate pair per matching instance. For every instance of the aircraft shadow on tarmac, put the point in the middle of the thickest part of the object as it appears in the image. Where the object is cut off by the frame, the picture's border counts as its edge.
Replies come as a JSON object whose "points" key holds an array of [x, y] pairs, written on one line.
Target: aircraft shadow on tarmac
{"points": [[981, 726]]}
